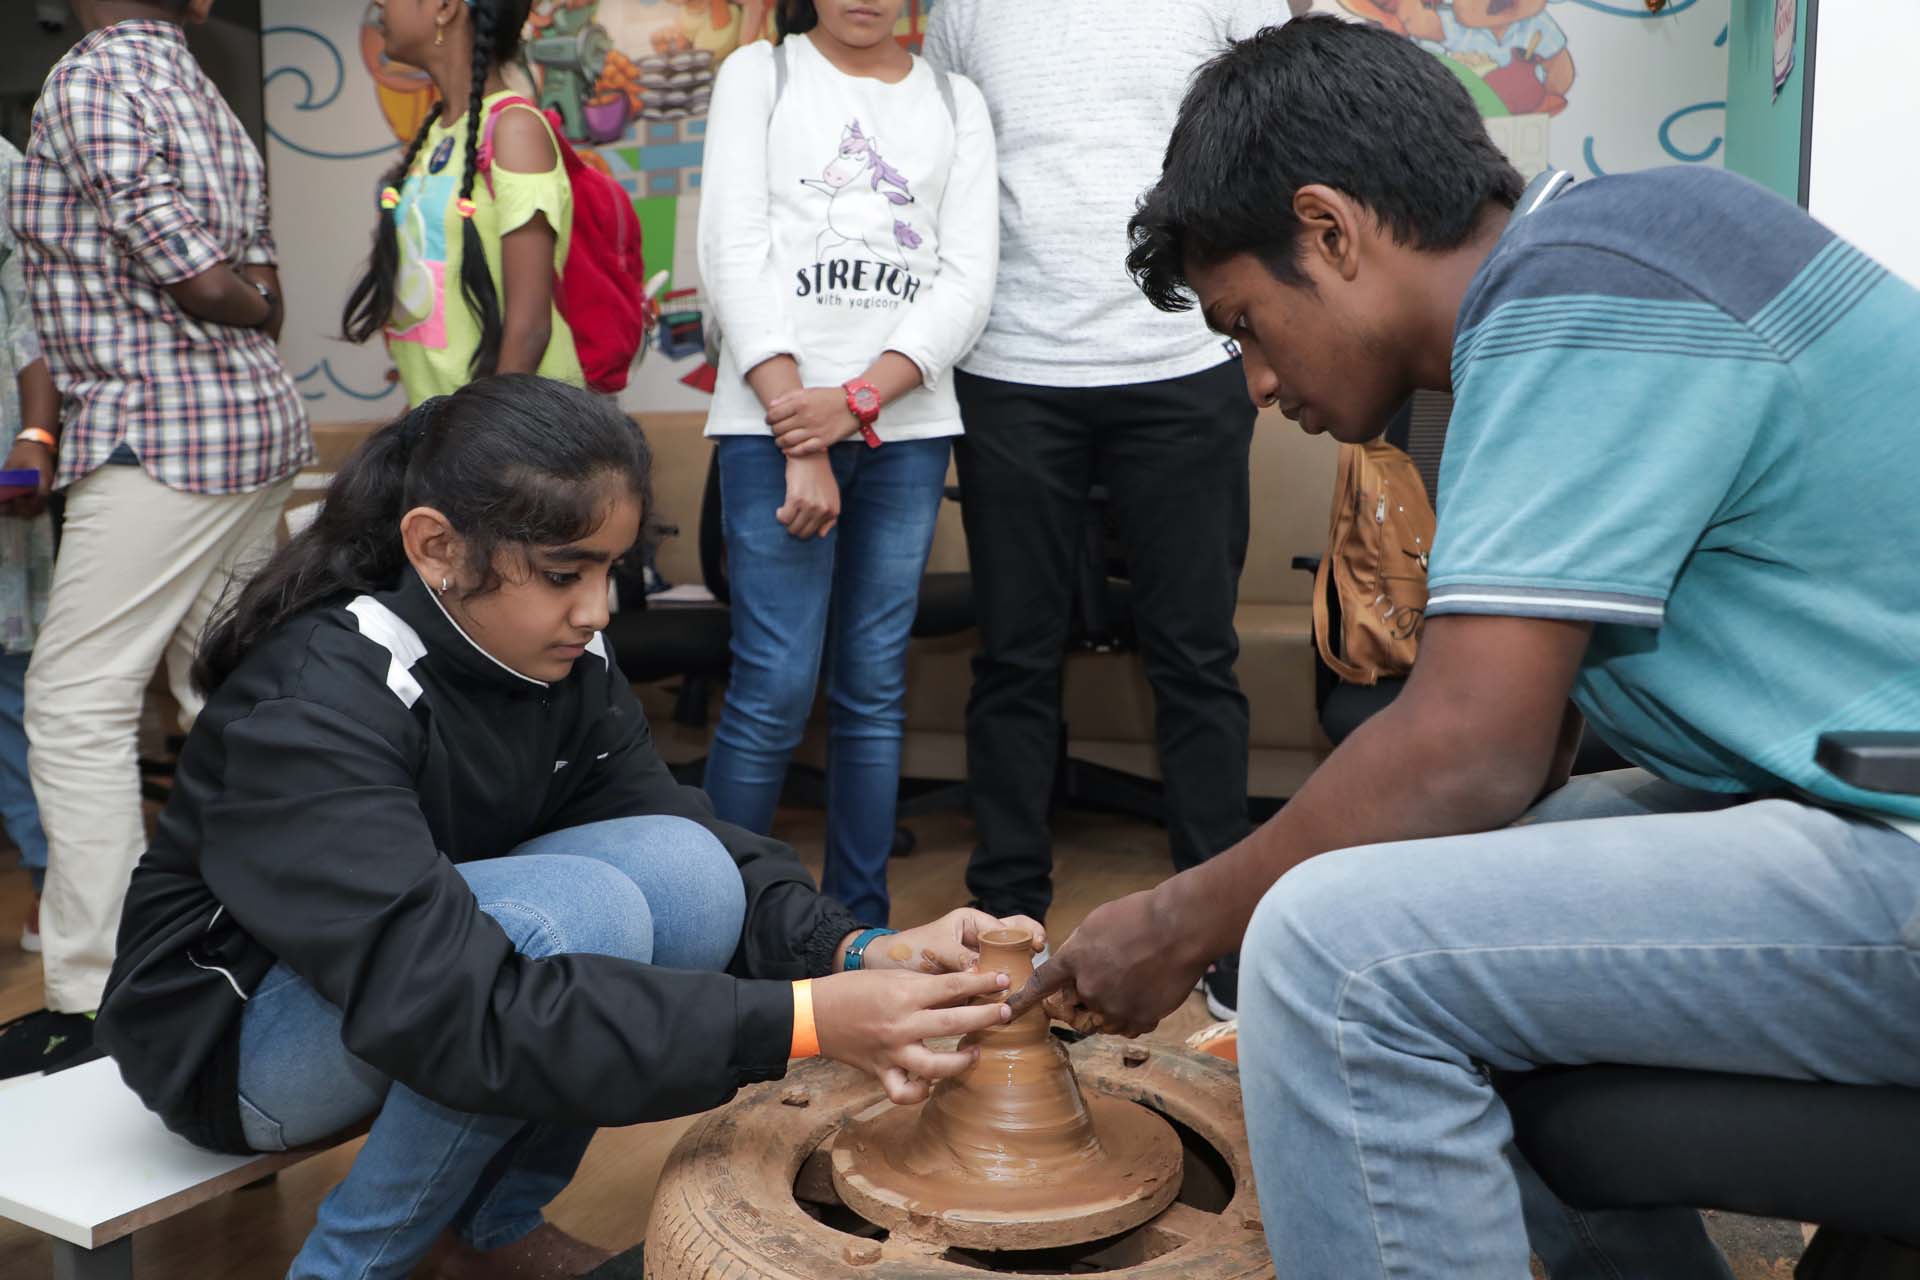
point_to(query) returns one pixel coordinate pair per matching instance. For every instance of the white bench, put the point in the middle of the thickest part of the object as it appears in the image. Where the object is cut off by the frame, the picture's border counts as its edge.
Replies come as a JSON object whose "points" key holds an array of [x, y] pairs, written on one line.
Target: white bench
{"points": [[93, 1166]]}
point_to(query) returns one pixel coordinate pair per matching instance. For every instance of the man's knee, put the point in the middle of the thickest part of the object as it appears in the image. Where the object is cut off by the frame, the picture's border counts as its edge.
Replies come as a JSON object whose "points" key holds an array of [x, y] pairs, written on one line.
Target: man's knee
{"points": [[1312, 928]]}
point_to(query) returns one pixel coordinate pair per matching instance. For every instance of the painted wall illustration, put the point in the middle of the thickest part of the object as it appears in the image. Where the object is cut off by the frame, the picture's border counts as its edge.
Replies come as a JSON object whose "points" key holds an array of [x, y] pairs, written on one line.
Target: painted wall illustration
{"points": [[1589, 85], [1592, 86]]}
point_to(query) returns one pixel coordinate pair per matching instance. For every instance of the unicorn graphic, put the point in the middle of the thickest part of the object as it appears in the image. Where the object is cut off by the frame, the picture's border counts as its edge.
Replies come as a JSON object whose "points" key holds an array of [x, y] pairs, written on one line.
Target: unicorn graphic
{"points": [[863, 191]]}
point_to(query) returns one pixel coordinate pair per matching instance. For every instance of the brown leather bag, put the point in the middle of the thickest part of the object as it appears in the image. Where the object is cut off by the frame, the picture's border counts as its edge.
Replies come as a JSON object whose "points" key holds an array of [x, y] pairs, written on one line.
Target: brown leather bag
{"points": [[1376, 564]]}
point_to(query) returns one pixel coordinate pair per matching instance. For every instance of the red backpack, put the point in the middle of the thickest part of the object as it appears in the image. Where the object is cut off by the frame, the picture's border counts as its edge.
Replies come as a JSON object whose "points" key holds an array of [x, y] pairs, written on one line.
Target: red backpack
{"points": [[602, 291]]}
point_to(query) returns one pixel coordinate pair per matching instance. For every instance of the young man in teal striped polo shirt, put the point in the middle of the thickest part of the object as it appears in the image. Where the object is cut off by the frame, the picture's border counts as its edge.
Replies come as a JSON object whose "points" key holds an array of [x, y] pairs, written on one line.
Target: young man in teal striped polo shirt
{"points": [[1680, 498]]}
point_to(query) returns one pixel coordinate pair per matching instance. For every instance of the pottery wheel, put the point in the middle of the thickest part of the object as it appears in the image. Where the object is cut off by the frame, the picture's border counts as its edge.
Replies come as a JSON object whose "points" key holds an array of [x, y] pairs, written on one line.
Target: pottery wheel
{"points": [[1010, 1154], [1134, 1177]]}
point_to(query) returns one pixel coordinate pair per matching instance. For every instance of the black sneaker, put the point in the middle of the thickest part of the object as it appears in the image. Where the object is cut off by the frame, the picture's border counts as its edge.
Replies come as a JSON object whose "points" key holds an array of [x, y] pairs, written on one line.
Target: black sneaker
{"points": [[44, 1042], [1222, 985]]}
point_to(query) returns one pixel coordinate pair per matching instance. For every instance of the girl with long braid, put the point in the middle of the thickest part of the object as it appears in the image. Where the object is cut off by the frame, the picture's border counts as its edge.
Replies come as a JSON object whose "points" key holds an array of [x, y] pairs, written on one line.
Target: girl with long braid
{"points": [[469, 244]]}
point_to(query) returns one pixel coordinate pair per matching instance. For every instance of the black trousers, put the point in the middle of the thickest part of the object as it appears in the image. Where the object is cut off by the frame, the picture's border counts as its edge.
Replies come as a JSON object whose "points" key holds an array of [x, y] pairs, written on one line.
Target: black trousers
{"points": [[1173, 458]]}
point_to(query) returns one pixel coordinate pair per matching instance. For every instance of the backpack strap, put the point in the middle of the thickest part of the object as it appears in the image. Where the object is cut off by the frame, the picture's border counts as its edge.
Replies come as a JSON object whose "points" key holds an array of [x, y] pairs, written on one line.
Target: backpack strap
{"points": [[484, 159]]}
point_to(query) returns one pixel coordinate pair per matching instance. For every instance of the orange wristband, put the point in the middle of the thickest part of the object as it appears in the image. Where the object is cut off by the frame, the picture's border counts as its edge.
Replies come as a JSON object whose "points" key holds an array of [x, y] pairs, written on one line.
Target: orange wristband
{"points": [[39, 435], [806, 1039]]}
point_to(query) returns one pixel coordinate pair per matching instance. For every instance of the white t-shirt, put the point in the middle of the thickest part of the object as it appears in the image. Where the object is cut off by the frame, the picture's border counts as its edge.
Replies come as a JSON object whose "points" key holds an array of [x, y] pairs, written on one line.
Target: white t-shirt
{"points": [[859, 219], [1084, 95]]}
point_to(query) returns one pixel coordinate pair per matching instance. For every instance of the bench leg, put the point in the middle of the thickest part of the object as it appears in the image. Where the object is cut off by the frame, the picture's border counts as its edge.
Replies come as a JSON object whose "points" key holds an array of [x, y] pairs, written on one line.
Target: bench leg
{"points": [[108, 1262]]}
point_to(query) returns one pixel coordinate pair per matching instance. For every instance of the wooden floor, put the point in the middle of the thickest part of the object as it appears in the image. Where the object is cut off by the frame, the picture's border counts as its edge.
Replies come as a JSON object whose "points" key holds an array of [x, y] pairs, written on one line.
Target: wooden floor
{"points": [[252, 1235]]}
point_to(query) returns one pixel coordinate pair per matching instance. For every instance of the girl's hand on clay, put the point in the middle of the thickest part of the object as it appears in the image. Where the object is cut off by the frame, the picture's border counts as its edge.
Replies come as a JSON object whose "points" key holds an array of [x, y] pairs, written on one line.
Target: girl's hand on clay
{"points": [[879, 1021], [812, 507], [950, 944]]}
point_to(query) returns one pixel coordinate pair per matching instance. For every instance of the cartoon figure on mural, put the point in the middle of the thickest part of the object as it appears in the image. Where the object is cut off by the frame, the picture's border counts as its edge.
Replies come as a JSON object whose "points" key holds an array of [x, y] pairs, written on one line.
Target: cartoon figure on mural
{"points": [[862, 193], [1514, 47]]}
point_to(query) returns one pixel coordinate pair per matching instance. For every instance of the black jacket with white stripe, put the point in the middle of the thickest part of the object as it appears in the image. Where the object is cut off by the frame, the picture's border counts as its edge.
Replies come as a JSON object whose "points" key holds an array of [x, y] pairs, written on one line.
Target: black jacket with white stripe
{"points": [[319, 806]]}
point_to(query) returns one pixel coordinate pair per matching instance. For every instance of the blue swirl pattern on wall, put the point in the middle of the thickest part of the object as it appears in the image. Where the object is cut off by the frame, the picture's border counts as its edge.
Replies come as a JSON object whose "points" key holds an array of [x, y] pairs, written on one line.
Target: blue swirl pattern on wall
{"points": [[1690, 157], [308, 380], [309, 103], [1667, 143]]}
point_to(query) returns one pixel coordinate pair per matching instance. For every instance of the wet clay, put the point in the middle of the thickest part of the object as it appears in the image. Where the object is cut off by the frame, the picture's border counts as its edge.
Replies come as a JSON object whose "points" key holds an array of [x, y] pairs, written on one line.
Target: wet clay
{"points": [[1009, 1154]]}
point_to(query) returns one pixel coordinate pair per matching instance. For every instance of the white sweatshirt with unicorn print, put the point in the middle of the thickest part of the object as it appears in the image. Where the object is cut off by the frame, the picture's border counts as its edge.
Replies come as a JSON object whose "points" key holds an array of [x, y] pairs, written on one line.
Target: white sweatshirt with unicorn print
{"points": [[852, 217]]}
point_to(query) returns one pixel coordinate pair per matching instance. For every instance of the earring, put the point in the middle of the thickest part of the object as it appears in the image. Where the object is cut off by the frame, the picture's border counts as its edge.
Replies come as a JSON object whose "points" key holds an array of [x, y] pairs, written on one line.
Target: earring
{"points": [[446, 584], [439, 34]]}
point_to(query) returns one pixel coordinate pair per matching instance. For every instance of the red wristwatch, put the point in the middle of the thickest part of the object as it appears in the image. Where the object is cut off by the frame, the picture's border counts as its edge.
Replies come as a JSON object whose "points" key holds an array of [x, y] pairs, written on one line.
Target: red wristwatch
{"points": [[863, 398]]}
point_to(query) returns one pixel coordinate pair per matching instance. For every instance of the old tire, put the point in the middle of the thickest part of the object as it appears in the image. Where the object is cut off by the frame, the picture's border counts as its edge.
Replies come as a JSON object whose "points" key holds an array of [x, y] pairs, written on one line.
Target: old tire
{"points": [[726, 1208]]}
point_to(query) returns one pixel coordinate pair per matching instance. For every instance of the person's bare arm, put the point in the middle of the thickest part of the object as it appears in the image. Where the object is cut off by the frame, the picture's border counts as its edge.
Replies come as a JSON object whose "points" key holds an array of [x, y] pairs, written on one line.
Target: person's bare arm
{"points": [[772, 379], [1467, 746], [39, 407], [521, 144], [225, 296], [1573, 727], [810, 420], [269, 276]]}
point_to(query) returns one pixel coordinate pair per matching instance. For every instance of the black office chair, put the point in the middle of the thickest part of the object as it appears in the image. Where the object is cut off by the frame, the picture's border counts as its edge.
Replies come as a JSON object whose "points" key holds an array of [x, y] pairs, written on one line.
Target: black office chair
{"points": [[689, 641], [1844, 1156], [1419, 429]]}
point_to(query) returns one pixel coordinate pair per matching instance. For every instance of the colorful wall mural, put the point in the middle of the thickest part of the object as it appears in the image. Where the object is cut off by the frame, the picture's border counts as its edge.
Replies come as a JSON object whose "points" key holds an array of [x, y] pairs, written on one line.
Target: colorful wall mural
{"points": [[1588, 85]]}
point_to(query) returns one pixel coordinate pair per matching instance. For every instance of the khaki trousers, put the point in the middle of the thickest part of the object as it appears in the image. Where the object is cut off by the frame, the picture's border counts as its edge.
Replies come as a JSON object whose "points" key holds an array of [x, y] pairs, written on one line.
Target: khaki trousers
{"points": [[140, 570]]}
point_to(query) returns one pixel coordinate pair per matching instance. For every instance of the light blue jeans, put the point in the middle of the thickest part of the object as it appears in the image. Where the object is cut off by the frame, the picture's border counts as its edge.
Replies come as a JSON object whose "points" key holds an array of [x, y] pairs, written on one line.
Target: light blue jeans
{"points": [[848, 598], [655, 890], [1646, 925], [17, 806]]}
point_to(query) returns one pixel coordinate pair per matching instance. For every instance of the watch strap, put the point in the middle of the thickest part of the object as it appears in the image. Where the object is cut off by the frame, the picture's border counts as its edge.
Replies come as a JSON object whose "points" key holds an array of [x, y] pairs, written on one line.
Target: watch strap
{"points": [[857, 949]]}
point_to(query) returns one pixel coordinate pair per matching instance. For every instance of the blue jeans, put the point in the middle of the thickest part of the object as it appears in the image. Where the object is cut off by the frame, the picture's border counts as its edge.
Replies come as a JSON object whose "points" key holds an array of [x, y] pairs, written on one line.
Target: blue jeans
{"points": [[1674, 929], [655, 890], [17, 807], [849, 598]]}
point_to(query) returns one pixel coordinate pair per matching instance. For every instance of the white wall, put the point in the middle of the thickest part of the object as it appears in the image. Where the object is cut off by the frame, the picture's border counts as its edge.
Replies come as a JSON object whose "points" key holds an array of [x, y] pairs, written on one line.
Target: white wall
{"points": [[1865, 96]]}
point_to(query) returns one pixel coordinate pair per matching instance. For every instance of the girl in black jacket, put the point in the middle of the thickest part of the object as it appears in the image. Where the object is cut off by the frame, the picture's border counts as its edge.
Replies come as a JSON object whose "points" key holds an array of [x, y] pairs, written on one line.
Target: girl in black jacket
{"points": [[421, 860]]}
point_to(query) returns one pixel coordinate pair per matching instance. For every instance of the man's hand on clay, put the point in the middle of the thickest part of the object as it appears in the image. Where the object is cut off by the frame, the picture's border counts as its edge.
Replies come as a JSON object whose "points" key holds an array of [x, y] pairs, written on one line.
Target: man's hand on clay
{"points": [[1120, 972], [950, 944]]}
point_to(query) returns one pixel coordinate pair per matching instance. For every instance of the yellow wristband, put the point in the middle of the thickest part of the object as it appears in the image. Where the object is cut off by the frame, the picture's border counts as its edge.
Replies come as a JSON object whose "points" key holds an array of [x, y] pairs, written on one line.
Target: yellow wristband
{"points": [[40, 435], [806, 1039]]}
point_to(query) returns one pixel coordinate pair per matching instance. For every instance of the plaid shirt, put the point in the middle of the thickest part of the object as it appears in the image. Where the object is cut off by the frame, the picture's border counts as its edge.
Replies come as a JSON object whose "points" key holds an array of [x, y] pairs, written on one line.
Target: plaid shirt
{"points": [[139, 176]]}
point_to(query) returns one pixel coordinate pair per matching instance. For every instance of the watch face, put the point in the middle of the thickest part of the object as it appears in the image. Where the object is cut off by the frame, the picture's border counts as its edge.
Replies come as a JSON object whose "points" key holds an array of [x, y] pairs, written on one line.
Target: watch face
{"points": [[867, 399]]}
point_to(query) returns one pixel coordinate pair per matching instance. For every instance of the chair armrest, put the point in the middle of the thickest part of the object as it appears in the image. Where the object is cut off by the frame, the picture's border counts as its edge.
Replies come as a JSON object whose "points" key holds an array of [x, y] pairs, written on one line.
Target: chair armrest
{"points": [[1873, 761], [1307, 564]]}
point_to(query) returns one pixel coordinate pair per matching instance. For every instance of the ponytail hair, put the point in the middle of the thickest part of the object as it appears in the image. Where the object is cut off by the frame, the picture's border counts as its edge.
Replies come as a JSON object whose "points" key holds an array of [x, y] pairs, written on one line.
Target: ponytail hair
{"points": [[370, 305], [793, 17], [497, 30], [513, 462]]}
